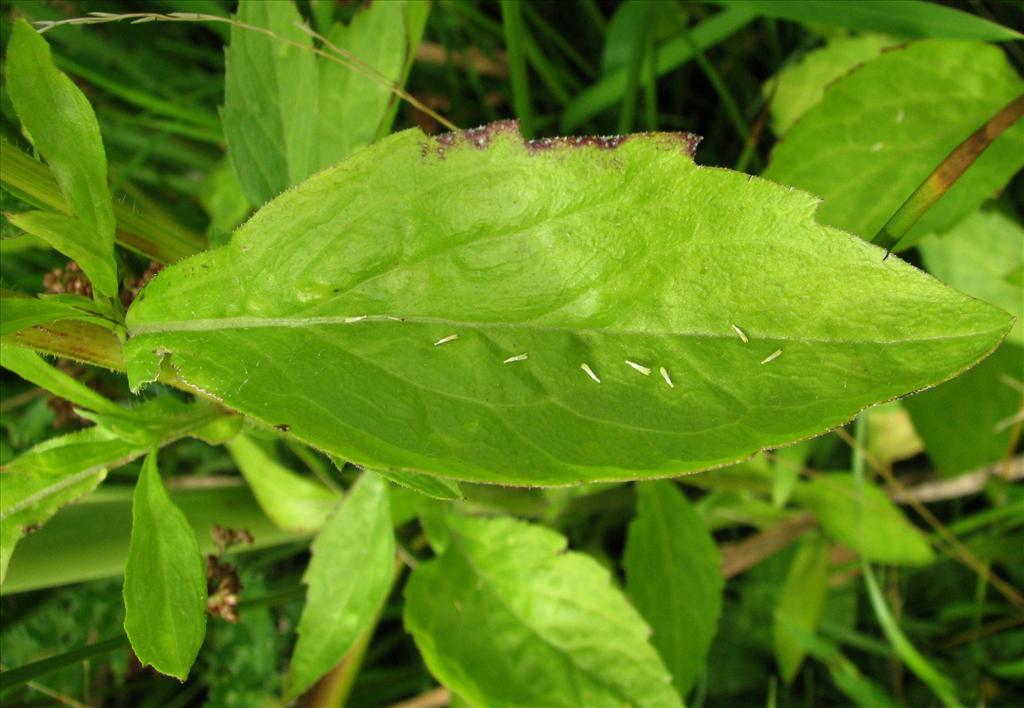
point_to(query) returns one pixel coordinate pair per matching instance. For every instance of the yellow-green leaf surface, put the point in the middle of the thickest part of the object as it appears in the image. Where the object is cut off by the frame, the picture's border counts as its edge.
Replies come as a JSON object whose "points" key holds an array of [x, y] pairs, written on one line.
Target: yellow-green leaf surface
{"points": [[63, 128], [486, 309], [270, 100], [505, 617], [801, 86], [164, 580], [349, 577], [294, 503], [881, 130], [674, 576]]}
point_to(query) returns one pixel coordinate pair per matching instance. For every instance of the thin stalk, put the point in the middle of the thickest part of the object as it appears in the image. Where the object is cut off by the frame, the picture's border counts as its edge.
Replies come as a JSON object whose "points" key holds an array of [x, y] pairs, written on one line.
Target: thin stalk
{"points": [[346, 58], [515, 45], [23, 674], [941, 686], [637, 52], [946, 174], [732, 108]]}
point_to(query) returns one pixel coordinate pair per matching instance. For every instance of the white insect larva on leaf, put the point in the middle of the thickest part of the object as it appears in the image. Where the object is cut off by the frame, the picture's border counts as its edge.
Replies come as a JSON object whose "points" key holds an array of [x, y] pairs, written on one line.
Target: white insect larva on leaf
{"points": [[445, 340], [741, 333], [590, 372], [664, 375], [358, 318], [517, 357], [646, 371], [772, 357]]}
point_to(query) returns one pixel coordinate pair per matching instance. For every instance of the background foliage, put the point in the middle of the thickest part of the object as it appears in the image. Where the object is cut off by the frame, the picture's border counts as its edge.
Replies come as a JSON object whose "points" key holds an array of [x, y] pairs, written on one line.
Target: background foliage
{"points": [[878, 564]]}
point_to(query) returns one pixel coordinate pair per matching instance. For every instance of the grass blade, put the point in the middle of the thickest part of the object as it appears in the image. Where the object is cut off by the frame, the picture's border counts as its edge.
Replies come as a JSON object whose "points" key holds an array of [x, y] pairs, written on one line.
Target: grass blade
{"points": [[515, 43]]}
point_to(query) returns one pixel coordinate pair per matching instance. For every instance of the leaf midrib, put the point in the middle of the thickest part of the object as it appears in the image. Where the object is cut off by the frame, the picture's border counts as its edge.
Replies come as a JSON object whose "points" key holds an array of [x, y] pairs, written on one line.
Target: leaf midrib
{"points": [[226, 323]]}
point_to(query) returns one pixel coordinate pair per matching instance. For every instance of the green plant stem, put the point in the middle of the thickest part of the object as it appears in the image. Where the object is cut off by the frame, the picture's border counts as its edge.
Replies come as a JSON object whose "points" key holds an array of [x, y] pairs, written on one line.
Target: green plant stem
{"points": [[515, 44], [946, 174], [941, 686], [23, 674], [732, 108], [637, 56]]}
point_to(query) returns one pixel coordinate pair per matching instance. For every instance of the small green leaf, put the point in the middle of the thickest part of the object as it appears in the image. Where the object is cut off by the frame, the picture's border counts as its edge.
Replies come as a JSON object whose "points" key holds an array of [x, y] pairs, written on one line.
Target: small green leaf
{"points": [[505, 617], [887, 536], [71, 237], [50, 475], [270, 101], [349, 577], [435, 487], [18, 313], [921, 102], [801, 86], [293, 502], [164, 580], [53, 556], [450, 331], [354, 108], [63, 127], [800, 604], [32, 367], [911, 18], [674, 575]]}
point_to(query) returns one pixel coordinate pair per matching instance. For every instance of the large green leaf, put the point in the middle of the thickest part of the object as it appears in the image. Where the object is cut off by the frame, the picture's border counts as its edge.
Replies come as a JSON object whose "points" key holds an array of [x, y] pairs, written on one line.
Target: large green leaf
{"points": [[164, 580], [674, 575], [505, 617], [63, 127], [801, 86], [564, 268], [881, 130], [270, 100], [354, 108], [293, 502], [349, 577]]}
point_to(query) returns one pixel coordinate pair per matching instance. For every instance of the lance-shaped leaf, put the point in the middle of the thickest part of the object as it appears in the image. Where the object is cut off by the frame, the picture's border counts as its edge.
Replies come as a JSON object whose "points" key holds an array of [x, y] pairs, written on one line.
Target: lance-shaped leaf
{"points": [[270, 100], [50, 475], [800, 605], [505, 617], [349, 577], [63, 128], [32, 367], [293, 502], [486, 309], [58, 471], [353, 105], [881, 130], [674, 575], [164, 580]]}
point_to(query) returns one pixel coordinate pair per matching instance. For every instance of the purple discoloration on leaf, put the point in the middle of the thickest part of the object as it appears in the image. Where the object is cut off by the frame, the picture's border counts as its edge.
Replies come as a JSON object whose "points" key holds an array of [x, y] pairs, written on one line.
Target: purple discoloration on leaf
{"points": [[481, 137]]}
